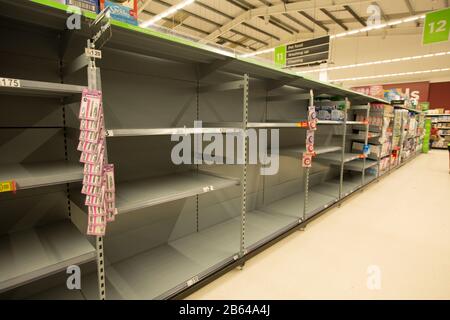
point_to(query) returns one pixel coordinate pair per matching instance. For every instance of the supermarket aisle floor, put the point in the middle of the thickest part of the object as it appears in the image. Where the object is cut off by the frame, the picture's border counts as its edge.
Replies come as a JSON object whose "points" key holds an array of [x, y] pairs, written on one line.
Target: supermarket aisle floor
{"points": [[399, 229]]}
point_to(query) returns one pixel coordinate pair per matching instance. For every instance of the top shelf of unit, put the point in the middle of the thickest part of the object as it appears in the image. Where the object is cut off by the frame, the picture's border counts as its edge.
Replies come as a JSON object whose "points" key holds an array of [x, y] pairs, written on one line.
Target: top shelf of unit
{"points": [[139, 194], [133, 40], [21, 87], [41, 174]]}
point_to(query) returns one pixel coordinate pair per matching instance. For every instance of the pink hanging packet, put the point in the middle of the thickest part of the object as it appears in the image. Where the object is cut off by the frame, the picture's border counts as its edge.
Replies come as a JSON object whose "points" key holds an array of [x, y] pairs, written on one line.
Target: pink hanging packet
{"points": [[91, 191], [110, 196], [88, 147], [97, 220], [91, 125], [90, 158], [96, 230], [93, 201], [96, 211], [109, 178], [90, 108], [89, 136], [92, 180], [93, 169]]}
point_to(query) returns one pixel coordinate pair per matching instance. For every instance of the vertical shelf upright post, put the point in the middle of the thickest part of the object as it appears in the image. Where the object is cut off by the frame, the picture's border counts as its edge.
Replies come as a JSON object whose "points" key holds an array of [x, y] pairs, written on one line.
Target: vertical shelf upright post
{"points": [[392, 141], [242, 250], [402, 141], [366, 143], [307, 171], [344, 137], [94, 83]]}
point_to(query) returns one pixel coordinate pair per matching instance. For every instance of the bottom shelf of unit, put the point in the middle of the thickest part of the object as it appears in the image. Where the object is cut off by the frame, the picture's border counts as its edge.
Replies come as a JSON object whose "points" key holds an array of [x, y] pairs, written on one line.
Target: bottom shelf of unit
{"points": [[162, 271], [59, 293], [35, 253], [159, 272]]}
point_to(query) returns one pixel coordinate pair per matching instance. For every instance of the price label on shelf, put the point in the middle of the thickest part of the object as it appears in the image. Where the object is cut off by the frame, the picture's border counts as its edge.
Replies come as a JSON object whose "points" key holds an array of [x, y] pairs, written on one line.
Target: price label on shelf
{"points": [[7, 186], [10, 83], [92, 53], [208, 189]]}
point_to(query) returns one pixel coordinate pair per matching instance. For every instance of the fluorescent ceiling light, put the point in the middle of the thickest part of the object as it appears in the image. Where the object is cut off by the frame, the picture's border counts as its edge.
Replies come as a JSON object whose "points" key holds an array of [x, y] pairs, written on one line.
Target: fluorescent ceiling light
{"points": [[344, 34], [365, 64], [166, 13], [252, 54], [391, 75]]}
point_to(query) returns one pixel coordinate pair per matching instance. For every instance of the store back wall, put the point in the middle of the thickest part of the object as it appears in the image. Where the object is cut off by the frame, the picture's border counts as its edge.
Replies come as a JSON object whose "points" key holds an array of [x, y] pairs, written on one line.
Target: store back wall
{"points": [[440, 95]]}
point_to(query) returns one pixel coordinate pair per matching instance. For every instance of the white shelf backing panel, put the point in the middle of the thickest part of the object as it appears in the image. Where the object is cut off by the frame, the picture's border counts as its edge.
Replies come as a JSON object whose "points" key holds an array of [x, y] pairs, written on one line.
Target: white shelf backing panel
{"points": [[35, 253], [299, 150], [37, 88], [358, 165], [336, 157], [41, 174], [144, 193], [169, 131]]}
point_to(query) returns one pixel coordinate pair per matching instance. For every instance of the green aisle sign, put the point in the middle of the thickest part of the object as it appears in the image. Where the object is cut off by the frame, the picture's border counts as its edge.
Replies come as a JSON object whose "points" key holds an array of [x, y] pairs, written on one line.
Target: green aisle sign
{"points": [[426, 139], [437, 26], [280, 56]]}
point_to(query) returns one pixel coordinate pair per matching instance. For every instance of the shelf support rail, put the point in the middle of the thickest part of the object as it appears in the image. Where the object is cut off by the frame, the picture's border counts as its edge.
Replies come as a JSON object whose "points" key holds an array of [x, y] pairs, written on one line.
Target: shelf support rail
{"points": [[307, 172], [344, 137], [243, 250], [94, 83], [366, 143]]}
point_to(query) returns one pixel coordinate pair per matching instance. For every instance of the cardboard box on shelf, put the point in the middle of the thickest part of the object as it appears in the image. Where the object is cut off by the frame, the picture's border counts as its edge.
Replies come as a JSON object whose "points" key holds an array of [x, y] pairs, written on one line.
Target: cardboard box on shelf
{"points": [[122, 10]]}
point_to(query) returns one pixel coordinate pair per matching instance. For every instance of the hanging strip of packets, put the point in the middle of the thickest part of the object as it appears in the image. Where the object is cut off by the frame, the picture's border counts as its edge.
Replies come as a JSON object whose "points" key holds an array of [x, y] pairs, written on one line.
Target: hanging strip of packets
{"points": [[312, 127], [98, 181]]}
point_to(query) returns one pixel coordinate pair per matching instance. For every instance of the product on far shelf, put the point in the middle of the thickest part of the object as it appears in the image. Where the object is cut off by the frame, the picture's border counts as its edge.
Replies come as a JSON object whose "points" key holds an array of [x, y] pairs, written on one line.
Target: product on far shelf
{"points": [[122, 10], [89, 5]]}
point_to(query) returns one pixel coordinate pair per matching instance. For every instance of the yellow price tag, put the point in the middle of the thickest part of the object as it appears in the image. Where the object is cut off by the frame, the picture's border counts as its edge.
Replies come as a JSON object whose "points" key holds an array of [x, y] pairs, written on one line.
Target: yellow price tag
{"points": [[7, 186]]}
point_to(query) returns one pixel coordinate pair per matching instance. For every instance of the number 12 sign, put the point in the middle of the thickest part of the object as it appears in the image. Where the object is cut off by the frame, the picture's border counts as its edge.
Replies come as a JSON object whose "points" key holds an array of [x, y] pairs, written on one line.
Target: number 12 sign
{"points": [[437, 26]]}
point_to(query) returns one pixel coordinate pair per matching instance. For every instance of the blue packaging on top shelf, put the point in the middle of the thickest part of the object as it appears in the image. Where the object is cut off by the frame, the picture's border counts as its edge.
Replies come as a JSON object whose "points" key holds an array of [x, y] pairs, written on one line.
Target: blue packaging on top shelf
{"points": [[122, 10]]}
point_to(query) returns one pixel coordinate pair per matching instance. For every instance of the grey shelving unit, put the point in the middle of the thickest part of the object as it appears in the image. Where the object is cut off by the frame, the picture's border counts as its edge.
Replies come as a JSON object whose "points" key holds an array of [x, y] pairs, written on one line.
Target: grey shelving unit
{"points": [[178, 225], [39, 238]]}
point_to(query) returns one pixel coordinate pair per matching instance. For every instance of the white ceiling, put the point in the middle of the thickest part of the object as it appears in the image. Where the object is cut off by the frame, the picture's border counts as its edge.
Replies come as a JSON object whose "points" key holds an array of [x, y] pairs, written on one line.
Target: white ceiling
{"points": [[254, 25]]}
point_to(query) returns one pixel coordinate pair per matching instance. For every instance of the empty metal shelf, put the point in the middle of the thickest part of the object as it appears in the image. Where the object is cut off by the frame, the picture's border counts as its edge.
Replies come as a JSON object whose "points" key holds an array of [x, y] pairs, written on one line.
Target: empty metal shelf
{"points": [[36, 253], [358, 165], [357, 123], [41, 174], [299, 150], [139, 194], [336, 157], [38, 88], [168, 131], [361, 107], [166, 269], [330, 122], [293, 205]]}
